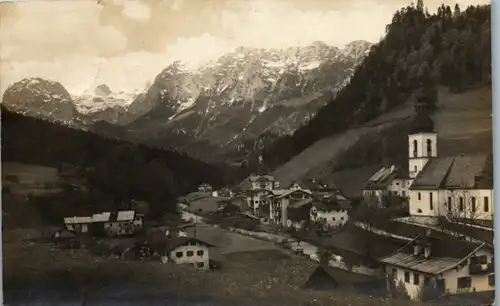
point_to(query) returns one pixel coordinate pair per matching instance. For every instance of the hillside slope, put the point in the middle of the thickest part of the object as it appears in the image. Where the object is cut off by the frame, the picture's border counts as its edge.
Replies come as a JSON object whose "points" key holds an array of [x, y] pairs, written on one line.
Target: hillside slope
{"points": [[110, 168], [463, 122]]}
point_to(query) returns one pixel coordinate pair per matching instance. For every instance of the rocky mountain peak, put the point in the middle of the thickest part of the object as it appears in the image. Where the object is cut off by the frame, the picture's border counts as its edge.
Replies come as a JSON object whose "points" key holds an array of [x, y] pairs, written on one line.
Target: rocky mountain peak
{"points": [[41, 98]]}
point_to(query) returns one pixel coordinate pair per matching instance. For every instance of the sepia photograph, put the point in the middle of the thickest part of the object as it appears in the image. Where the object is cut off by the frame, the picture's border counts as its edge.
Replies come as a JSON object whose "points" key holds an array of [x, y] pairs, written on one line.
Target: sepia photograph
{"points": [[247, 152]]}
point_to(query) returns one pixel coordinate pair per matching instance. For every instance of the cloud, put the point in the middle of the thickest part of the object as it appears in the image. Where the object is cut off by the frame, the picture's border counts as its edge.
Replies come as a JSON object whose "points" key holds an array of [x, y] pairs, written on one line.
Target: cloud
{"points": [[126, 43]]}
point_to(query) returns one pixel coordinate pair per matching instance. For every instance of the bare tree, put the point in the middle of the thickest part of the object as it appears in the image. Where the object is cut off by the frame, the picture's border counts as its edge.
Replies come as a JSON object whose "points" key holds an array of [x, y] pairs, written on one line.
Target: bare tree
{"points": [[462, 204]]}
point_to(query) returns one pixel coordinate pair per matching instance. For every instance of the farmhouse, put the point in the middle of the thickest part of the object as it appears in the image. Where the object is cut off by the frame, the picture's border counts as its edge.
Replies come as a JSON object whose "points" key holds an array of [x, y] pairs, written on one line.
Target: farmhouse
{"points": [[313, 185], [330, 212], [187, 250], [267, 182], [204, 188], [453, 266], [110, 223], [278, 208]]}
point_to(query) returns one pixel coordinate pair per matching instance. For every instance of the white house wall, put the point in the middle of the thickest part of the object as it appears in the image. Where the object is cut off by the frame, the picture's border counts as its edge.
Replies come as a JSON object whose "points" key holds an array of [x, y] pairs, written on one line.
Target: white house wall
{"points": [[194, 259], [420, 205], [412, 289], [332, 217], [467, 195], [400, 187], [478, 282]]}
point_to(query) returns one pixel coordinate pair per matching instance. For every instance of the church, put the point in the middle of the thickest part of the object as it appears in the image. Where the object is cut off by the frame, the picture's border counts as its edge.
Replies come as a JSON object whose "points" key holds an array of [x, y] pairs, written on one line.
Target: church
{"points": [[458, 187]]}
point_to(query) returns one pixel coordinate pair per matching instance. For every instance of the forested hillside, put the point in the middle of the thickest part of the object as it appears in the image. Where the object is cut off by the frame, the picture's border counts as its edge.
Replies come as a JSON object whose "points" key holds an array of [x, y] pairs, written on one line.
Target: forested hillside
{"points": [[420, 51], [111, 169]]}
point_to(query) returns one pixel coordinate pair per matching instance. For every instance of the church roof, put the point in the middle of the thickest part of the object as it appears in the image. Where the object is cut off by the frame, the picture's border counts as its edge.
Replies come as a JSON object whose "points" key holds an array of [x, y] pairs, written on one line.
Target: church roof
{"points": [[464, 171]]}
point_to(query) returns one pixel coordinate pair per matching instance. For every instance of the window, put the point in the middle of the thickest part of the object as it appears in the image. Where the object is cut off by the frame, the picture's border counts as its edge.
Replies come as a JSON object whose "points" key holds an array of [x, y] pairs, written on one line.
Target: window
{"points": [[419, 196], [479, 260], [199, 252], [429, 147], [189, 253], [486, 204], [407, 277], [394, 273], [415, 168], [200, 264], [342, 218], [333, 218], [416, 279], [178, 254], [431, 204], [403, 193], [415, 148], [473, 203], [491, 280], [461, 207], [463, 282], [449, 203]]}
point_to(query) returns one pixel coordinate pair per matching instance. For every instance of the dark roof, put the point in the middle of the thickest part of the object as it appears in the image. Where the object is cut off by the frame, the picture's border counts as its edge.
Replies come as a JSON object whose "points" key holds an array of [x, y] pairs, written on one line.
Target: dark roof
{"points": [[433, 174], [268, 178], [381, 179], [340, 279], [422, 124], [170, 243], [331, 204], [446, 253], [465, 171], [313, 184]]}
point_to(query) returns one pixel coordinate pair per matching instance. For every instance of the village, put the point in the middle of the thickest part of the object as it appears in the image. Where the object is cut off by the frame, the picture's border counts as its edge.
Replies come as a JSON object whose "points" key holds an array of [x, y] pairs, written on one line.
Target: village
{"points": [[422, 233]]}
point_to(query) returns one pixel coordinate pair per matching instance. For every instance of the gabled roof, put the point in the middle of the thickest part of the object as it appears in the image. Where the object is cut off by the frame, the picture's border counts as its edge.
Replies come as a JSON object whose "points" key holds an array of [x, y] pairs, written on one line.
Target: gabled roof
{"points": [[464, 171], [289, 192], [433, 174], [446, 254], [381, 179], [77, 220], [175, 242], [269, 178]]}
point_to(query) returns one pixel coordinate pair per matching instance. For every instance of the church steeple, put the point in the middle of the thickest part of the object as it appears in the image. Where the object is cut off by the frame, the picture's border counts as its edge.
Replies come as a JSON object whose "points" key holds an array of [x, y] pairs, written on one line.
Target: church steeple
{"points": [[422, 141], [422, 122]]}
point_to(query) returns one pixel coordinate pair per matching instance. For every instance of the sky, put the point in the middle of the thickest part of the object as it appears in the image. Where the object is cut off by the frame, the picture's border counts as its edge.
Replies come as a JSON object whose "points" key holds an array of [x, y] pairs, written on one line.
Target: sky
{"points": [[126, 43]]}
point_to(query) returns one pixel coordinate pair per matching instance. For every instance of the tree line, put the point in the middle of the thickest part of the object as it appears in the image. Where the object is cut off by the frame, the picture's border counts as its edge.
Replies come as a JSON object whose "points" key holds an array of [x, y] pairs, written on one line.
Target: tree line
{"points": [[112, 170], [419, 52]]}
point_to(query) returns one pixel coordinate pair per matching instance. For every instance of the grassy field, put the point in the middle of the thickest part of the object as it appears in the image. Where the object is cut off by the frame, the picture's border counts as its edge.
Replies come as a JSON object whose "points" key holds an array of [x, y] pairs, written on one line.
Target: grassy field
{"points": [[265, 277]]}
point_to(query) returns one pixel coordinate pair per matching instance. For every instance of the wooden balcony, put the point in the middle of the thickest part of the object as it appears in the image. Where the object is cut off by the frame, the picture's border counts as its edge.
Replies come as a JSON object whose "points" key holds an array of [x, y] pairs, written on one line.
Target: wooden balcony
{"points": [[478, 269]]}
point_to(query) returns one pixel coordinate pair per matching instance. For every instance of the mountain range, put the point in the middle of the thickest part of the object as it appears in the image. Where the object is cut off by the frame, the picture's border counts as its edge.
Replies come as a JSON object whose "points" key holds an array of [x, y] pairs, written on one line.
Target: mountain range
{"points": [[242, 96]]}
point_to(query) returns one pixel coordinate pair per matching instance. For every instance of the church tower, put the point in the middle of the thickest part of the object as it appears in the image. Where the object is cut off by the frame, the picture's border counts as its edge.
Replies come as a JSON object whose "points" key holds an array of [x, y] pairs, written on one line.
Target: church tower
{"points": [[422, 142]]}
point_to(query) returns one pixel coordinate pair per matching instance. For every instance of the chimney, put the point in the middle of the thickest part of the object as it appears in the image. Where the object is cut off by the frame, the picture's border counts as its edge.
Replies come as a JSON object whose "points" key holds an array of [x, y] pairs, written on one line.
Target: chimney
{"points": [[427, 252], [417, 249]]}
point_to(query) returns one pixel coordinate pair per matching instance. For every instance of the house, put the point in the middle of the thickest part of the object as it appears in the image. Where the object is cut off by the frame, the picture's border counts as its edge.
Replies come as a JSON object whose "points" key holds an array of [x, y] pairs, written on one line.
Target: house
{"points": [[227, 207], [110, 223], [328, 278], [259, 182], [330, 212], [387, 182], [255, 198], [455, 266], [313, 185], [204, 187], [187, 250], [78, 224], [278, 205]]}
